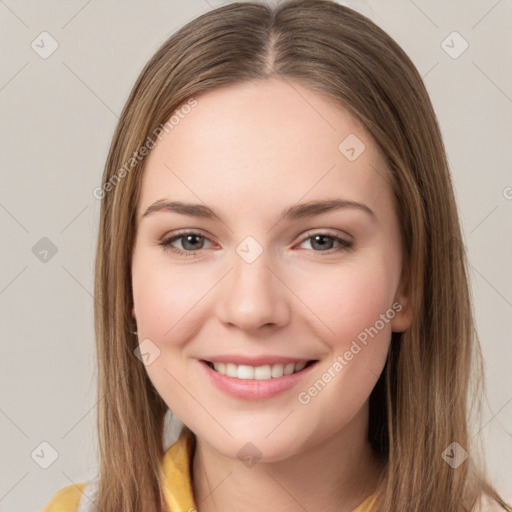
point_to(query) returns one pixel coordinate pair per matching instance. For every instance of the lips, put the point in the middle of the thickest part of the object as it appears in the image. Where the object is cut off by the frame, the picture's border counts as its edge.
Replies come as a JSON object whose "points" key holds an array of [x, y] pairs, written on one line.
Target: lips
{"points": [[260, 384]]}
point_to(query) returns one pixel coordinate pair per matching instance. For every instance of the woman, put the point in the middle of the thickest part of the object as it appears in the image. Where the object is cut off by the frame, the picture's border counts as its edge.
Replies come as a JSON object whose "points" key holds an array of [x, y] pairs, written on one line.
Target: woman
{"points": [[253, 140]]}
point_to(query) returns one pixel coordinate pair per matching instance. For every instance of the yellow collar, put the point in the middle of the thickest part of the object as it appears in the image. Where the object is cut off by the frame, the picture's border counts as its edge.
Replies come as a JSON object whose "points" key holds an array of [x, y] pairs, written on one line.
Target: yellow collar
{"points": [[177, 476], [176, 466]]}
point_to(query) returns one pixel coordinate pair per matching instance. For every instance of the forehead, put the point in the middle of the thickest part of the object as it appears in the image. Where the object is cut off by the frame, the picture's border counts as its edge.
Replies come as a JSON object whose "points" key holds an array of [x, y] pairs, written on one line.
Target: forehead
{"points": [[271, 138]]}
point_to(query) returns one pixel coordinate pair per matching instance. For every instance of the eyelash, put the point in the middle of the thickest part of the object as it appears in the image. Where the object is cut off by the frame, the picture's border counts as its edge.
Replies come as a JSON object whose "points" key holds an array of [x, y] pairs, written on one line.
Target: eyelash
{"points": [[345, 245]]}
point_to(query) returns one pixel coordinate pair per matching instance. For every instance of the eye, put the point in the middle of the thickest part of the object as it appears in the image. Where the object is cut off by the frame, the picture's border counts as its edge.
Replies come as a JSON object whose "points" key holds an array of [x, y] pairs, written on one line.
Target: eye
{"points": [[190, 241], [324, 242]]}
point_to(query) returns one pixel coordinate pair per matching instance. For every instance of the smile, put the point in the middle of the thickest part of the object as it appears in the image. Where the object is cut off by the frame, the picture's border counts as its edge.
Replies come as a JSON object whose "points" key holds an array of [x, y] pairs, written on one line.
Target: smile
{"points": [[264, 372], [246, 382]]}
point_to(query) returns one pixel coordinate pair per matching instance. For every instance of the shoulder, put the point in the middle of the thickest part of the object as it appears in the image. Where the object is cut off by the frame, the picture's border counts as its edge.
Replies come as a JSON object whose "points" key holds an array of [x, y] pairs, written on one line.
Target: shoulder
{"points": [[66, 499]]}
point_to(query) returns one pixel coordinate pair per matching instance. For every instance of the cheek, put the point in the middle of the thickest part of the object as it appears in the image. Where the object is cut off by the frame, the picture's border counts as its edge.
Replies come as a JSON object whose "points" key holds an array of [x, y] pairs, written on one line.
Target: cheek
{"points": [[164, 299], [356, 304], [349, 299], [164, 302]]}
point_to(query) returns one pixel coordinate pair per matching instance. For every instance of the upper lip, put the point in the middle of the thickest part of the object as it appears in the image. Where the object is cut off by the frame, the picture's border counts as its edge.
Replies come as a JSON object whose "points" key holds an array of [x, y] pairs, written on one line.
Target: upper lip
{"points": [[254, 360]]}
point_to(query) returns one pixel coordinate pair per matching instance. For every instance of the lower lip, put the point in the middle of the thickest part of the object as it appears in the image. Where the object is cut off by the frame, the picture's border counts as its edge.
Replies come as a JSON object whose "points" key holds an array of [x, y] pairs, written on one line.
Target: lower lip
{"points": [[252, 389]]}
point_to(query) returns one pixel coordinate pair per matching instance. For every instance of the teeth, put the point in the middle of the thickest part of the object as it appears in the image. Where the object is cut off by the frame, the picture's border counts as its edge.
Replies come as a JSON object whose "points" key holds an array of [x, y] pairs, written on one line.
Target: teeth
{"points": [[300, 366], [245, 372], [265, 372], [277, 370]]}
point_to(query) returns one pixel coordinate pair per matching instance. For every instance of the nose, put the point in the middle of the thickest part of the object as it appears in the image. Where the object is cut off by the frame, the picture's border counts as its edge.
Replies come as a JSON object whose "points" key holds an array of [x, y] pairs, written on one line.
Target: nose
{"points": [[252, 297]]}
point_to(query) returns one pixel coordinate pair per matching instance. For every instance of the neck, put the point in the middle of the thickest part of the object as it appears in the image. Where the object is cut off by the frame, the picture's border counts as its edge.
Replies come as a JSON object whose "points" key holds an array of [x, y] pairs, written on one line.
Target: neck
{"points": [[337, 474]]}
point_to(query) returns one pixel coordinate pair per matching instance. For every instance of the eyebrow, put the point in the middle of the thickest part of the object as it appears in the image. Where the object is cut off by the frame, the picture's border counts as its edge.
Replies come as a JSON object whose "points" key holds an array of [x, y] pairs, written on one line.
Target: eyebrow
{"points": [[297, 211]]}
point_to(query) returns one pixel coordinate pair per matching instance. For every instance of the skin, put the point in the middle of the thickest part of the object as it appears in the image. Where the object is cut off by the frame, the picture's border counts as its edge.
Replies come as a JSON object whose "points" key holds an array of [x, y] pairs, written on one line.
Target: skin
{"points": [[250, 151]]}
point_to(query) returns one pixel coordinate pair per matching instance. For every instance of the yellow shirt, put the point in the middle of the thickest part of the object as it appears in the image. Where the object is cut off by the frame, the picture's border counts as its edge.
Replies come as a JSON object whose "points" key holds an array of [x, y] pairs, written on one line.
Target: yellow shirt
{"points": [[176, 468]]}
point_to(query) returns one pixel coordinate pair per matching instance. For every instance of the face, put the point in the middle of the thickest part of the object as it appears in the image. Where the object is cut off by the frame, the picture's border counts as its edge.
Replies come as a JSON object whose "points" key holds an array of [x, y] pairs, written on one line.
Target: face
{"points": [[237, 281]]}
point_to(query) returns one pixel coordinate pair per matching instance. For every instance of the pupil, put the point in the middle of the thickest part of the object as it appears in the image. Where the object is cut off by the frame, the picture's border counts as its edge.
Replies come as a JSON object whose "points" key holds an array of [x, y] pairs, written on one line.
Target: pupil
{"points": [[187, 241], [321, 237]]}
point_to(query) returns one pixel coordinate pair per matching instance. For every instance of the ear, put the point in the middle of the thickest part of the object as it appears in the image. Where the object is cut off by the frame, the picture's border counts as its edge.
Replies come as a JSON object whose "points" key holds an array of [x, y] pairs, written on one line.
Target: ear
{"points": [[133, 313], [402, 306]]}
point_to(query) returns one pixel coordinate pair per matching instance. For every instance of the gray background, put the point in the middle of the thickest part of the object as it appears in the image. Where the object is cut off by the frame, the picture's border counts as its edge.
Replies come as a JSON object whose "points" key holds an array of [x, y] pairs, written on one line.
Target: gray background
{"points": [[58, 115]]}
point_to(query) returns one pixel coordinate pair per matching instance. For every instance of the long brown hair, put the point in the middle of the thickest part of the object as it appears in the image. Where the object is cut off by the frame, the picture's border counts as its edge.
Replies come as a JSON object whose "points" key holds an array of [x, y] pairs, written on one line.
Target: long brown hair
{"points": [[421, 403]]}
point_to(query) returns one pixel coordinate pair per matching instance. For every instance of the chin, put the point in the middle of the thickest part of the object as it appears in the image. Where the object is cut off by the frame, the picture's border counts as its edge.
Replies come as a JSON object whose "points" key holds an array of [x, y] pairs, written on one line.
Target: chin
{"points": [[252, 444]]}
